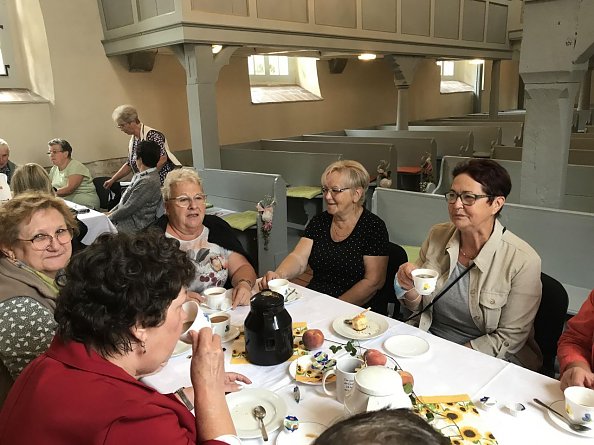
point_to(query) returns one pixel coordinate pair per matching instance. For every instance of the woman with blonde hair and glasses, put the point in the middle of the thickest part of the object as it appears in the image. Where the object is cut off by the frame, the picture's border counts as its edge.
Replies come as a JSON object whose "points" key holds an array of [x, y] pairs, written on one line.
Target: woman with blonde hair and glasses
{"points": [[217, 255], [35, 247], [346, 246]]}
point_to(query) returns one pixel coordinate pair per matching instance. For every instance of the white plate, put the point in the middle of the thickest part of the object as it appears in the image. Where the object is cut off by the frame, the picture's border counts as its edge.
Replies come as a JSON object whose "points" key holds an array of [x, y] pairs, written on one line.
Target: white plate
{"points": [[181, 348], [304, 435], [376, 326], [295, 296], [559, 406], [305, 360], [242, 403], [231, 335], [406, 346]]}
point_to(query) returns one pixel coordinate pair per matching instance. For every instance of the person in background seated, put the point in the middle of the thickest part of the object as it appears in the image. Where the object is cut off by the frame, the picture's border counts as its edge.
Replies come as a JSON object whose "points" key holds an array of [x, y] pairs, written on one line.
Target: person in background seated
{"points": [[71, 179], [575, 350], [119, 317], [6, 166], [31, 178], [35, 247], [126, 119], [141, 201], [346, 246], [387, 426], [495, 275], [218, 257]]}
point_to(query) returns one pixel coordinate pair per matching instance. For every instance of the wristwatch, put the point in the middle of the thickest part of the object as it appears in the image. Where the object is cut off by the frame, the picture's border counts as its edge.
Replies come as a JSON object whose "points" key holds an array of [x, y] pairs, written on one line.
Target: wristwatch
{"points": [[182, 395]]}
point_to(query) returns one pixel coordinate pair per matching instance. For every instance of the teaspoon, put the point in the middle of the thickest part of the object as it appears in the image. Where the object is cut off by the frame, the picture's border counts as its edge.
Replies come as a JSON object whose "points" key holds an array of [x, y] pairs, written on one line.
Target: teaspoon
{"points": [[260, 413], [574, 426]]}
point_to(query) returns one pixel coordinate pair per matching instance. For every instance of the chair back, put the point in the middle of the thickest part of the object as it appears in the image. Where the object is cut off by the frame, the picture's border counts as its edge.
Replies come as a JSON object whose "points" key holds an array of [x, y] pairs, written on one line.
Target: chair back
{"points": [[549, 321], [386, 295], [108, 199]]}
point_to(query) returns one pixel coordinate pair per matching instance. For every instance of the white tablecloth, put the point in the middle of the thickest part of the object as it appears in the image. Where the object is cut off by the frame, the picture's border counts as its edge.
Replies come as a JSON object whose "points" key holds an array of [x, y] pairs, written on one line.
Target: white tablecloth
{"points": [[97, 223], [446, 369]]}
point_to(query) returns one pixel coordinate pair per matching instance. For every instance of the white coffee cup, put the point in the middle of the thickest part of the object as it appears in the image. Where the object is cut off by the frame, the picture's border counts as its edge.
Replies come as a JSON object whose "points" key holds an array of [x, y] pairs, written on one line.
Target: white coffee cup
{"points": [[345, 371], [220, 323], [279, 285], [214, 297], [425, 280], [579, 404], [195, 320]]}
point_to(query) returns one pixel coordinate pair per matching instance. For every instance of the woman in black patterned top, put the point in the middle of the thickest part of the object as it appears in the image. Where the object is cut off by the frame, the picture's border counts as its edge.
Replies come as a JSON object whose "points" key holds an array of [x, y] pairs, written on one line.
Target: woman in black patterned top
{"points": [[126, 119], [346, 246]]}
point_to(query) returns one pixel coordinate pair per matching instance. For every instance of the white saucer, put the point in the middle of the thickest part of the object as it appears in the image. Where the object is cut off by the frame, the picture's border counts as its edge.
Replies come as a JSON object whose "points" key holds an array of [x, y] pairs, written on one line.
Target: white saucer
{"points": [[231, 335], [406, 346], [295, 296], [376, 326], [181, 348], [306, 434], [242, 403], [559, 406], [305, 361]]}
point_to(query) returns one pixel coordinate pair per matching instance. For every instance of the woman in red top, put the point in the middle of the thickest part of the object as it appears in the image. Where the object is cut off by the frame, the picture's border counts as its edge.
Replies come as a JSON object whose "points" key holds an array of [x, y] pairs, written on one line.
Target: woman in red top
{"points": [[119, 317], [576, 348]]}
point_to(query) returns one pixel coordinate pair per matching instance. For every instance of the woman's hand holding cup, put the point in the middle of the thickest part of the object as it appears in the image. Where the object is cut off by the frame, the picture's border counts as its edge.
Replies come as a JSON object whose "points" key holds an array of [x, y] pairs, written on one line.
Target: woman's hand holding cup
{"points": [[270, 275], [404, 275]]}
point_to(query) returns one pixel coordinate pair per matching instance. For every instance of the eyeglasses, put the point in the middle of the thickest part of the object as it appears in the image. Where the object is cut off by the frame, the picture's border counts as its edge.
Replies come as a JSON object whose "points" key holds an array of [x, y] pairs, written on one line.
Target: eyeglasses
{"points": [[53, 152], [184, 201], [334, 191], [467, 198], [120, 126], [42, 241]]}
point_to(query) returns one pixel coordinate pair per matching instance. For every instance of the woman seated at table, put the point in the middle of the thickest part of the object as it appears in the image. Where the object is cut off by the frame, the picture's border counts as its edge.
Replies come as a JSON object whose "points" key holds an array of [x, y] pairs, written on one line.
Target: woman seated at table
{"points": [[575, 351], [31, 178], [346, 246], [71, 179], [35, 245], [141, 201], [492, 307], [119, 317], [217, 254]]}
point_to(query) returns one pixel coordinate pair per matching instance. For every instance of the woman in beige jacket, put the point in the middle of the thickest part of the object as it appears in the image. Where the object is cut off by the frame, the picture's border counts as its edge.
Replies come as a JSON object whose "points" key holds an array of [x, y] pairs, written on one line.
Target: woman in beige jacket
{"points": [[495, 276]]}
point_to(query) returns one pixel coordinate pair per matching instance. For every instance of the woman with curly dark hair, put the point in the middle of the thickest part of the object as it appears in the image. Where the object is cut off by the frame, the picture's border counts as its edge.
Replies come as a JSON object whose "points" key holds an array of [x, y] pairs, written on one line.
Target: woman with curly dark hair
{"points": [[119, 317]]}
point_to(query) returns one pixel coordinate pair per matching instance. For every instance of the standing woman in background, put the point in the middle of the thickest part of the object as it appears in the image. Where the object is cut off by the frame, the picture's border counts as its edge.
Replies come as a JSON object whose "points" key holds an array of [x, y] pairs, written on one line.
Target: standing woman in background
{"points": [[126, 119], [71, 179]]}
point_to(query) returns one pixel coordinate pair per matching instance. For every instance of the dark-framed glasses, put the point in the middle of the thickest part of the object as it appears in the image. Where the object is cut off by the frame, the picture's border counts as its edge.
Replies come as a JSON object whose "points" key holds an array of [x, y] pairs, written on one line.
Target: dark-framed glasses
{"points": [[467, 198], [53, 152], [42, 241], [334, 191], [184, 201]]}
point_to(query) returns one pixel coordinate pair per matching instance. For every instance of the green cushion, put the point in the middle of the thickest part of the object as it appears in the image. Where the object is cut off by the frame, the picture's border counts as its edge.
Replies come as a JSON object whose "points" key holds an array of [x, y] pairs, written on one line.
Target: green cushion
{"points": [[412, 252], [304, 191], [242, 220]]}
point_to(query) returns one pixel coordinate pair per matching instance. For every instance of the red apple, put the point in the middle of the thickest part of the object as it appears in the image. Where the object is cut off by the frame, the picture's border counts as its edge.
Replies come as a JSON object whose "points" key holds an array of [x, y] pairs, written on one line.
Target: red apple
{"points": [[373, 357], [313, 339]]}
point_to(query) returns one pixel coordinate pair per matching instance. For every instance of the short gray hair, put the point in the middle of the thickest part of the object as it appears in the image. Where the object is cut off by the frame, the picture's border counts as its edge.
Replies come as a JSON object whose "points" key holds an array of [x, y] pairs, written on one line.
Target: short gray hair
{"points": [[4, 143], [125, 114], [177, 176], [356, 175]]}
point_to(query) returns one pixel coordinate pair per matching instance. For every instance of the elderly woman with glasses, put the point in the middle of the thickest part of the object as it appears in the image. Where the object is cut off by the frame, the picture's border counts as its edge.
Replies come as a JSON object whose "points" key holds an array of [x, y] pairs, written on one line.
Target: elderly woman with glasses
{"points": [[35, 246], [217, 255], [70, 178], [346, 246], [127, 121], [494, 275]]}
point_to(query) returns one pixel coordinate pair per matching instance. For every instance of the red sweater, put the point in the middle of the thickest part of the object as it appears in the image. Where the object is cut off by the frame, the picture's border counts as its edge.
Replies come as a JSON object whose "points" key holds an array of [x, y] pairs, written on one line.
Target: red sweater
{"points": [[577, 342], [69, 395]]}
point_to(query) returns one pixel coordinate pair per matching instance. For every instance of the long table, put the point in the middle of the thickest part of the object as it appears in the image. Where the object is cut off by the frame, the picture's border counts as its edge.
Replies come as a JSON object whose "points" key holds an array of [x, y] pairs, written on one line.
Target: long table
{"points": [[97, 223], [447, 369]]}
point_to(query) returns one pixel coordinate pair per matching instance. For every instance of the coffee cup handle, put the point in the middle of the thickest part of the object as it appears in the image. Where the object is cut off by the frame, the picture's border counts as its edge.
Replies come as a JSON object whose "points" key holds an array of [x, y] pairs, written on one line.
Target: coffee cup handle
{"points": [[326, 375]]}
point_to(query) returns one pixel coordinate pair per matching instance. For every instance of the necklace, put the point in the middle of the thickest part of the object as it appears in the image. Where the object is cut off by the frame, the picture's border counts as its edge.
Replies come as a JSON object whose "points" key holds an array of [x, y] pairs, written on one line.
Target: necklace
{"points": [[340, 235], [470, 257]]}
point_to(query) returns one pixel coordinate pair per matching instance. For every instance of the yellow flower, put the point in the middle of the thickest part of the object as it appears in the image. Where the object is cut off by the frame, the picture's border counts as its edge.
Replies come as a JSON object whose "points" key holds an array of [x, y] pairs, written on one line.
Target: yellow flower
{"points": [[452, 415], [489, 435], [470, 433]]}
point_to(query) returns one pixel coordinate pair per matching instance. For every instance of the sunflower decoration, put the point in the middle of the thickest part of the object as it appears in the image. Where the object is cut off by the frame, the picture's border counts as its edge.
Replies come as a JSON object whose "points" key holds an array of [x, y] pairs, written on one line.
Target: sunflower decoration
{"points": [[470, 433]]}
